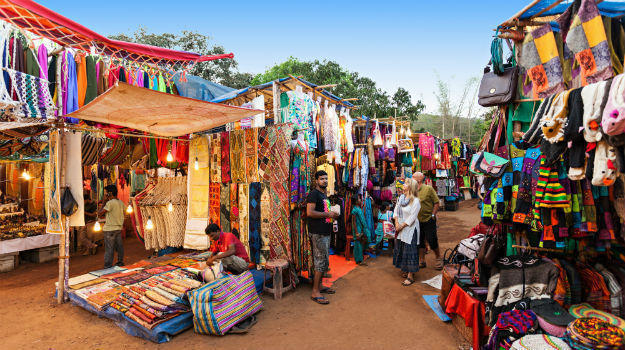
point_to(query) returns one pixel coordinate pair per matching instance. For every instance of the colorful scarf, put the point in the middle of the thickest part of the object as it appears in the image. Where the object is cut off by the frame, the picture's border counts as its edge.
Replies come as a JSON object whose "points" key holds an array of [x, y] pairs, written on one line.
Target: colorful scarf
{"points": [[266, 217], [234, 207], [215, 158], [224, 196], [244, 231], [237, 159], [255, 221], [251, 154], [225, 157], [214, 207]]}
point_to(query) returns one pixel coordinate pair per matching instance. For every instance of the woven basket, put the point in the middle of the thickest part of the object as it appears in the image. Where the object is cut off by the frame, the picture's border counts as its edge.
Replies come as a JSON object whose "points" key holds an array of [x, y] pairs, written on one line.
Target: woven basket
{"points": [[459, 323]]}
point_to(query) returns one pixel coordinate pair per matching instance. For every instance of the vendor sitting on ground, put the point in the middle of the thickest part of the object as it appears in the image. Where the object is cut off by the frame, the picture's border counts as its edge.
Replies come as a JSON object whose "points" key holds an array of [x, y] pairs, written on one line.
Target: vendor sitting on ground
{"points": [[227, 248]]}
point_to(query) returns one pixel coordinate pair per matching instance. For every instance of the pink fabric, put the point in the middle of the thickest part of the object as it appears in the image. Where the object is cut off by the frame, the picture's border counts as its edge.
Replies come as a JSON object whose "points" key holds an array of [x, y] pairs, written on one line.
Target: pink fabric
{"points": [[42, 57]]}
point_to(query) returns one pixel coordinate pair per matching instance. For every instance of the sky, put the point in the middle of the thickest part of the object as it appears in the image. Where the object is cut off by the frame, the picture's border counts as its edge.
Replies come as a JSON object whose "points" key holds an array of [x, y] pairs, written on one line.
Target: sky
{"points": [[395, 43]]}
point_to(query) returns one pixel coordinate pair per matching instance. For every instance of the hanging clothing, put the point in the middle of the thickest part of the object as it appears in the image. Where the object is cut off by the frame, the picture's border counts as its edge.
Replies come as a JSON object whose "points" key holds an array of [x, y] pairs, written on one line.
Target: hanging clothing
{"points": [[81, 78], [92, 81], [360, 232], [69, 86]]}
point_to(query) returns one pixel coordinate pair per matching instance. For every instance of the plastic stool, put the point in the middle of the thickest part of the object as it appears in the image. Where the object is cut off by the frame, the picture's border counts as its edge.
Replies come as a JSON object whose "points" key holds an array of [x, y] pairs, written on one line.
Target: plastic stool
{"points": [[276, 267]]}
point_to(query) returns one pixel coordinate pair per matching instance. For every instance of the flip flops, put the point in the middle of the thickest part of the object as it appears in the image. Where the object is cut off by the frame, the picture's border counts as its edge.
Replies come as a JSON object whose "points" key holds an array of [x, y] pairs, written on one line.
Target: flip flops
{"points": [[327, 290], [320, 300], [410, 282]]}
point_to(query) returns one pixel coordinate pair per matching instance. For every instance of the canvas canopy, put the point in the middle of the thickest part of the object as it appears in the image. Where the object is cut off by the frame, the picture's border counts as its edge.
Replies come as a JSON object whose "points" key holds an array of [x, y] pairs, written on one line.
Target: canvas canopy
{"points": [[541, 8], [157, 112], [46, 23]]}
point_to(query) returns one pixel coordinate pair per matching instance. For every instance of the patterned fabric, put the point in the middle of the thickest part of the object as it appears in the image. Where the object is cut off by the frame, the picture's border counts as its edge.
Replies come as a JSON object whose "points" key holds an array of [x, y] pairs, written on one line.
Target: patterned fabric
{"points": [[214, 206], [254, 221], [585, 310], [215, 158], [198, 187], [237, 158], [116, 154], [225, 157], [244, 213], [586, 41], [33, 94], [53, 206], [593, 333], [273, 161], [91, 147], [266, 217], [251, 154], [541, 60], [234, 207], [300, 112], [220, 305], [224, 211]]}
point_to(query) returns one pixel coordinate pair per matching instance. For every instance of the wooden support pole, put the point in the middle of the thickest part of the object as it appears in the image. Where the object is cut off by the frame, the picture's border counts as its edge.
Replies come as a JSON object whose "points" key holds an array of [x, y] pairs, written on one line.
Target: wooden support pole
{"points": [[276, 102]]}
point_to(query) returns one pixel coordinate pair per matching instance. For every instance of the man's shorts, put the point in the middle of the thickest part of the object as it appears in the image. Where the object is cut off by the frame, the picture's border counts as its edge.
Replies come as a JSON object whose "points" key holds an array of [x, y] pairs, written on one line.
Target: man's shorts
{"points": [[428, 233], [321, 251]]}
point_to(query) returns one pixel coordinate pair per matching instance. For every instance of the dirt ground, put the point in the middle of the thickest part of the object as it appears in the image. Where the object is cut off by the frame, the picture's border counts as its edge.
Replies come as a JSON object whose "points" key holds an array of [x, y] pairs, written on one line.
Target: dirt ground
{"points": [[371, 309]]}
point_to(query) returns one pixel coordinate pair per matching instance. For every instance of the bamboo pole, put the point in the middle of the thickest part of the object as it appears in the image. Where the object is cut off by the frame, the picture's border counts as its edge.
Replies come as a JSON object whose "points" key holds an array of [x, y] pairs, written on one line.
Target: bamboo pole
{"points": [[556, 3], [512, 19], [60, 289]]}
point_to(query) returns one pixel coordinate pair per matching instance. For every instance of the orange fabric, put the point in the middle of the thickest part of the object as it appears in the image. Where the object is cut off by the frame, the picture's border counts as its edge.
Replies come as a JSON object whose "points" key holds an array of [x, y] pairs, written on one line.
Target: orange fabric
{"points": [[470, 309], [81, 76]]}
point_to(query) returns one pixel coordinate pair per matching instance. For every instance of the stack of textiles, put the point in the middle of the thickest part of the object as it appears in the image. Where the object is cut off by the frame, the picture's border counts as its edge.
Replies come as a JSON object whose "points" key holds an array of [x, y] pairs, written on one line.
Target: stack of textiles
{"points": [[149, 292]]}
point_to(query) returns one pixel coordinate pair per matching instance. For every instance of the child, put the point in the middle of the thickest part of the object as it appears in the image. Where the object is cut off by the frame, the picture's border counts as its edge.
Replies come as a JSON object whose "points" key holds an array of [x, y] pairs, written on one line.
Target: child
{"points": [[359, 230], [384, 216]]}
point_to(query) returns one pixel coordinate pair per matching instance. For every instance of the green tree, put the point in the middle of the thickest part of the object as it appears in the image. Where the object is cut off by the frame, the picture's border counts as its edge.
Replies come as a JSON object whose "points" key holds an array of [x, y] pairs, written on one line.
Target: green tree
{"points": [[224, 71], [372, 101]]}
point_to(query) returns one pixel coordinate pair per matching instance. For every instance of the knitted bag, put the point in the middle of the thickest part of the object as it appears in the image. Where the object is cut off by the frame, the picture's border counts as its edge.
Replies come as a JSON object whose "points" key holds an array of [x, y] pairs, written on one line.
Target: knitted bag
{"points": [[613, 121], [605, 165], [490, 164], [555, 119], [91, 147]]}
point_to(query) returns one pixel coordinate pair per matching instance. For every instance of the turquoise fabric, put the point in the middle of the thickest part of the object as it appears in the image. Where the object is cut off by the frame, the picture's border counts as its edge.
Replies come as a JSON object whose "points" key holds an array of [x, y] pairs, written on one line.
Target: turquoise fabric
{"points": [[359, 228]]}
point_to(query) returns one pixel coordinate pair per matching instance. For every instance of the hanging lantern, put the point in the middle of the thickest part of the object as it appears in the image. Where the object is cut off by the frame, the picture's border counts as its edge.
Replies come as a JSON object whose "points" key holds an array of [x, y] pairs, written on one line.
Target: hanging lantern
{"points": [[170, 207], [129, 209], [97, 227], [149, 225], [170, 157], [26, 175], [196, 164]]}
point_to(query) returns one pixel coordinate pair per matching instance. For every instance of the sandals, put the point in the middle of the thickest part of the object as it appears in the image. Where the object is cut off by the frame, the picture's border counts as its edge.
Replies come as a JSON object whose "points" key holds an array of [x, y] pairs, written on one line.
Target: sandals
{"points": [[439, 264], [409, 280], [327, 290], [320, 300]]}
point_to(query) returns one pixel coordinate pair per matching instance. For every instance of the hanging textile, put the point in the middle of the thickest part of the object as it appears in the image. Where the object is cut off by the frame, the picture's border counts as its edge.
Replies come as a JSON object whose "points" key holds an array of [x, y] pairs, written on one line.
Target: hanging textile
{"points": [[234, 207], [92, 80], [198, 192], [255, 189], [251, 154], [215, 158], [214, 206], [224, 205], [273, 162], [585, 40], [81, 78], [299, 111], [69, 85], [33, 94], [53, 207], [244, 203], [301, 247], [266, 215], [73, 175], [540, 57], [237, 159], [225, 157]]}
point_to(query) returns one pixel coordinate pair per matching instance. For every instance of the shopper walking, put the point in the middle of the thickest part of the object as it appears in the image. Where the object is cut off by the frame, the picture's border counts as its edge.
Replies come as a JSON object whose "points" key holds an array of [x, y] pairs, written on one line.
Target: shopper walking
{"points": [[114, 211], [406, 254], [319, 228], [427, 221]]}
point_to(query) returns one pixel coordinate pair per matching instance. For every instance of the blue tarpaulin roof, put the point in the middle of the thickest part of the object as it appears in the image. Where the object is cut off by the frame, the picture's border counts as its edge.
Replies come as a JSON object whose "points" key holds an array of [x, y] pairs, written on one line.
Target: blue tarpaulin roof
{"points": [[610, 8], [232, 94], [199, 88]]}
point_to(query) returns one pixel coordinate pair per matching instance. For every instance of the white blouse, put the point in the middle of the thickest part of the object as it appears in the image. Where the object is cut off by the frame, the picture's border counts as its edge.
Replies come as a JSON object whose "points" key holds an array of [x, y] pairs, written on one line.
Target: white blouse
{"points": [[409, 217]]}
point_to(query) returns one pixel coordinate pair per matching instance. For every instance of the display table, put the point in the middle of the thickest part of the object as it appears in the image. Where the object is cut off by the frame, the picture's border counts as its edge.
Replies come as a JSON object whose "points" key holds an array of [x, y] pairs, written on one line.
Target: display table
{"points": [[27, 243]]}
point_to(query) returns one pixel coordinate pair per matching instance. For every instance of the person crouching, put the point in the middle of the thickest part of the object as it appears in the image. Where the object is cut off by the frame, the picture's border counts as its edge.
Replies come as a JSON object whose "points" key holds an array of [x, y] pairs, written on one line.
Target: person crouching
{"points": [[228, 249]]}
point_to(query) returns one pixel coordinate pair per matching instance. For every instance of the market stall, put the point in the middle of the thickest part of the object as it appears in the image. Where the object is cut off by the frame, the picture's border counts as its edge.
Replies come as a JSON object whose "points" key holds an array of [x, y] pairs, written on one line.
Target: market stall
{"points": [[546, 265]]}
